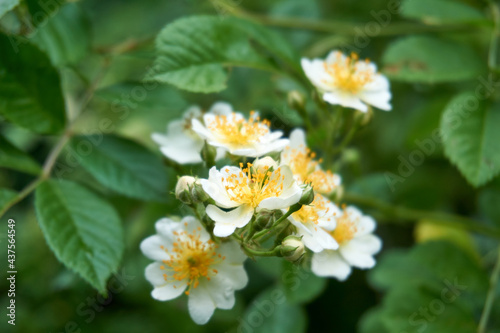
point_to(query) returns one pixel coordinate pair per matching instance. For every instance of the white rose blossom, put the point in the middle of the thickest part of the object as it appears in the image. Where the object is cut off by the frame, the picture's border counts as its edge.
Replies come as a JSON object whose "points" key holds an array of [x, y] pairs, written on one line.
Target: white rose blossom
{"points": [[252, 137], [188, 261], [246, 190], [357, 246], [349, 82], [183, 145], [305, 168]]}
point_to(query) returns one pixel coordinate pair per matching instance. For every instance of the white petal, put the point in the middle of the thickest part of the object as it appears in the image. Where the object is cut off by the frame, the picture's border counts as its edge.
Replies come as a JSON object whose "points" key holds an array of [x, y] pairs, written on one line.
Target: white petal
{"points": [[215, 189], [379, 99], [231, 268], [298, 139], [220, 290], [227, 222], [181, 148], [200, 305], [285, 200], [151, 248], [330, 263], [315, 72], [349, 101], [221, 109], [163, 290], [201, 130], [379, 83], [319, 239], [359, 251]]}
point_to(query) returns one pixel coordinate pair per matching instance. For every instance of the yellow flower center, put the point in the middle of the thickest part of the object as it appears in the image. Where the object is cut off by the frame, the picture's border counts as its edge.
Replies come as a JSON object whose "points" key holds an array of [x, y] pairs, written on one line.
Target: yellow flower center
{"points": [[345, 230], [313, 212], [239, 131], [348, 74], [253, 185], [190, 259]]}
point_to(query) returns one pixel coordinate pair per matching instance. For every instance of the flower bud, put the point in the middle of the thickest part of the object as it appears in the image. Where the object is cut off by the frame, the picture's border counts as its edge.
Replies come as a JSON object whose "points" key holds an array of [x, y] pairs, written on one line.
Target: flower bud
{"points": [[208, 154], [198, 193], [296, 100], [265, 163], [307, 195], [183, 189], [292, 248]]}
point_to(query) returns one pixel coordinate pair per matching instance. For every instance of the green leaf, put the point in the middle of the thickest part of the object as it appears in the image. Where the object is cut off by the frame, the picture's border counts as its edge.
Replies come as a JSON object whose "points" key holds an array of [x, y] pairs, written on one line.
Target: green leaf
{"points": [[30, 88], [300, 284], [470, 130], [7, 5], [65, 36], [270, 313], [440, 11], [82, 229], [427, 292], [122, 165], [194, 53], [488, 204], [6, 195], [42, 10], [422, 59], [12, 157]]}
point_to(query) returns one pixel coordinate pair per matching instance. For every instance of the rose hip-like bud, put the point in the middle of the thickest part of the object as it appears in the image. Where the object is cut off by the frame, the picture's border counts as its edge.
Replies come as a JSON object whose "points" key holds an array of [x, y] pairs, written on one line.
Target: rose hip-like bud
{"points": [[208, 154], [292, 248], [307, 196], [183, 189]]}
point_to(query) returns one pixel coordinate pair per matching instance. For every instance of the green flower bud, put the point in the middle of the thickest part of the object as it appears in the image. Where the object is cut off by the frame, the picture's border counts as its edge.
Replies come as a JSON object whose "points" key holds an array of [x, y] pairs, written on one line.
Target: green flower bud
{"points": [[292, 249], [198, 193], [183, 189], [307, 195], [208, 154], [296, 100]]}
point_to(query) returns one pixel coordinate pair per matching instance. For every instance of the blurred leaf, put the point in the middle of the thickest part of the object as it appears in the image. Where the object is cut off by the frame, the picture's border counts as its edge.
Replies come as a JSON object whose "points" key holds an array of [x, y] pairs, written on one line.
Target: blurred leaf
{"points": [[122, 165], [301, 285], [470, 137], [422, 59], [436, 287], [30, 91], [440, 11], [13, 158], [371, 322], [42, 10], [7, 5], [65, 36], [270, 313], [488, 204], [82, 229], [6, 195], [195, 52]]}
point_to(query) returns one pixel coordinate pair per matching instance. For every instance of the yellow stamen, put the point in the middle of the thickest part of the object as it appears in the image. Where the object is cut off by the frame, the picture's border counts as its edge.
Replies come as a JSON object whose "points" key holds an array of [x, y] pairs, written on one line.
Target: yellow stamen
{"points": [[346, 228], [313, 212], [348, 74], [240, 131]]}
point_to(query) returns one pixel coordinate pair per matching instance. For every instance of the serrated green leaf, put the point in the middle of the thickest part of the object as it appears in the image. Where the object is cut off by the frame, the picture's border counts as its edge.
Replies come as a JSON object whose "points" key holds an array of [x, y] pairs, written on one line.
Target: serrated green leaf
{"points": [[6, 195], [300, 284], [7, 5], [471, 132], [440, 11], [65, 36], [82, 229], [122, 165], [12, 157], [423, 59], [194, 53], [270, 313], [30, 88]]}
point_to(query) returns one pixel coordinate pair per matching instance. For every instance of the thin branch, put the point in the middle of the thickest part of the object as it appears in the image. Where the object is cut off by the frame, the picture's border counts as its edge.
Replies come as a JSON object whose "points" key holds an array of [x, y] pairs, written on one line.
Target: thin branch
{"points": [[490, 297]]}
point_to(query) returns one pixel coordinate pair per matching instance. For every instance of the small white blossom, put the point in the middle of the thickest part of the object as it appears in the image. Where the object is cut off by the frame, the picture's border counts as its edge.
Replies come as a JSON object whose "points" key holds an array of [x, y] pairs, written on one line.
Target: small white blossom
{"points": [[188, 261], [246, 190], [252, 137], [357, 246], [183, 145], [346, 81]]}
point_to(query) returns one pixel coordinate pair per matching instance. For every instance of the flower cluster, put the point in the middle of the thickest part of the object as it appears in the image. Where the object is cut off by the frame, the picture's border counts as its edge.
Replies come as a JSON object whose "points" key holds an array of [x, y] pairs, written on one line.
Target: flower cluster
{"points": [[268, 187]]}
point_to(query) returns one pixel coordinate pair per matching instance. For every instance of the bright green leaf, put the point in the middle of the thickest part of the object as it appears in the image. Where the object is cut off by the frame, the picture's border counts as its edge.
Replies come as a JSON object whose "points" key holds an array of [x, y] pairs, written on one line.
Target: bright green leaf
{"points": [[65, 36], [300, 284], [270, 313], [30, 88], [471, 132], [195, 53], [6, 196], [122, 165], [82, 229], [13, 158], [422, 59], [440, 11], [7, 5]]}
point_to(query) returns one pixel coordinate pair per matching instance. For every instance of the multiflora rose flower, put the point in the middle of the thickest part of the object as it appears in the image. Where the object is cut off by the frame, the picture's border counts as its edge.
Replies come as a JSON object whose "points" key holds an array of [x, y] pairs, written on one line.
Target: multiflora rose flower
{"points": [[239, 136], [188, 261], [349, 82], [183, 145], [357, 245], [246, 190], [306, 169]]}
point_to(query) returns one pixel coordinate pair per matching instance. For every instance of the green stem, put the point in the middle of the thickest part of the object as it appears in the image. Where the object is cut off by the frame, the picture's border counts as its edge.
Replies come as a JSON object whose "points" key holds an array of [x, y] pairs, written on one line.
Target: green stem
{"points": [[269, 253], [403, 214], [290, 211], [490, 297], [493, 52], [349, 136]]}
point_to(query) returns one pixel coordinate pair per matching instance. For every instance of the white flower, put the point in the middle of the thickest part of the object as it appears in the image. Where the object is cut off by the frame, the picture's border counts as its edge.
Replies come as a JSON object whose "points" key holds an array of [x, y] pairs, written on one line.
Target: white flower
{"points": [[246, 190], [252, 137], [305, 168], [346, 81], [181, 144], [187, 261], [357, 246], [314, 223]]}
